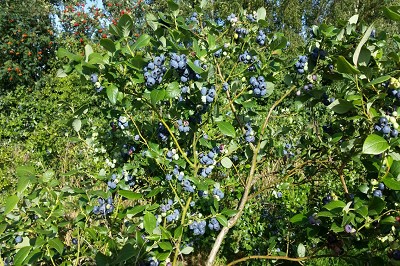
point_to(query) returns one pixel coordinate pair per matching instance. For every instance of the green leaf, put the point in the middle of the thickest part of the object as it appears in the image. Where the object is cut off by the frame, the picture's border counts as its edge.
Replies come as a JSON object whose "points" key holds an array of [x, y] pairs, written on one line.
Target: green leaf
{"points": [[374, 144], [187, 250], [378, 80], [391, 183], [149, 222], [112, 92], [326, 214], [108, 45], [363, 188], [363, 211], [392, 12], [195, 68], [141, 42], [101, 259], [25, 171], [395, 169], [343, 66], [301, 250], [11, 203], [130, 194], [25, 174], [334, 204], [261, 13], [76, 125], [157, 95], [211, 41], [341, 106], [126, 24], [226, 128], [61, 73], [222, 220], [127, 252], [298, 218], [21, 256], [57, 245], [178, 232], [165, 245], [115, 30], [173, 90], [336, 229], [62, 52], [364, 39], [226, 162], [376, 206], [88, 51], [48, 175], [388, 220], [353, 19]]}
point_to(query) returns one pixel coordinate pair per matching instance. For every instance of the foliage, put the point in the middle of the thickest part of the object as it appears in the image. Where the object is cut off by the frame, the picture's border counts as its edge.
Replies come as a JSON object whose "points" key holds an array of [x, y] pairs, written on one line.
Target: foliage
{"points": [[227, 146], [27, 42]]}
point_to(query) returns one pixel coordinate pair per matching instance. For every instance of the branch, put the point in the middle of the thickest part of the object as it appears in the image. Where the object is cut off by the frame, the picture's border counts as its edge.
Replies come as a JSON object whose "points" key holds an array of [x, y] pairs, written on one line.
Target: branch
{"points": [[249, 183]]}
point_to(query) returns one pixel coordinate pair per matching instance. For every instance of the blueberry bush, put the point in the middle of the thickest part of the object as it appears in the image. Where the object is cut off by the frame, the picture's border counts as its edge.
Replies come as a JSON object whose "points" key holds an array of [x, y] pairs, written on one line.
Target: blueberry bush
{"points": [[221, 148]]}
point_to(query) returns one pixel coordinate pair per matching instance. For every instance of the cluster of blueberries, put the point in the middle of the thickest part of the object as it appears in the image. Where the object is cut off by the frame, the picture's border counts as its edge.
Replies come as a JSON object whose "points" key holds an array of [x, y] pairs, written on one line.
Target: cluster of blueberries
{"points": [[252, 18], [318, 53], [95, 80], [214, 224], [105, 207], [326, 100], [179, 175], [394, 93], [313, 220], [378, 192], [187, 186], [384, 127], [183, 126], [220, 22], [123, 122], [179, 63], [249, 134], [218, 53], [127, 152], [193, 18], [162, 132], [242, 32], [173, 216], [300, 64], [166, 207], [286, 151], [258, 86], [154, 71], [208, 161], [207, 95], [261, 37], [232, 18], [199, 228], [218, 193], [247, 58], [170, 154], [184, 89]]}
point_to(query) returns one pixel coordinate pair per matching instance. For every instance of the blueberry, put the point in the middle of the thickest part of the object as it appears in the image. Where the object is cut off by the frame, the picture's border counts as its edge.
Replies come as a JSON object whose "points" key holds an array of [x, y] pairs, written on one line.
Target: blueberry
{"points": [[94, 78], [381, 186], [383, 121], [394, 133], [348, 228], [396, 254], [74, 241], [378, 193], [386, 130], [18, 239]]}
